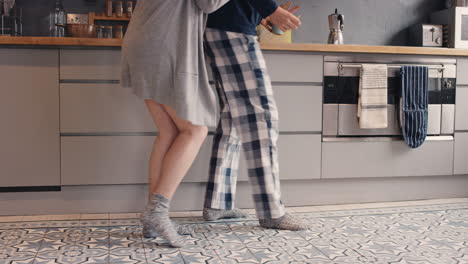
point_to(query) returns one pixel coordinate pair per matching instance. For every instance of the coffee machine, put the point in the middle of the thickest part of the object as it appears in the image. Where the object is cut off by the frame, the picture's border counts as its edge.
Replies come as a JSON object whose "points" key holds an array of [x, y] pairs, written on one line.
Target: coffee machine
{"points": [[336, 24]]}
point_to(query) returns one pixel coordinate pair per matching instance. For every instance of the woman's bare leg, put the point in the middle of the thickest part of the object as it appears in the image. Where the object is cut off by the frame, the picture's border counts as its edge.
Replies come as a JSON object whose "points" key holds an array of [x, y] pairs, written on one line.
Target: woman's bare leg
{"points": [[169, 168], [167, 134], [181, 154]]}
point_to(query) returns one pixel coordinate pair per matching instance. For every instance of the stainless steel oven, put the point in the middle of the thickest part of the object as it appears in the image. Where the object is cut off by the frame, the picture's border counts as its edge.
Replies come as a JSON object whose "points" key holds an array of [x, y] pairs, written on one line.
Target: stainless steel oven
{"points": [[341, 91]]}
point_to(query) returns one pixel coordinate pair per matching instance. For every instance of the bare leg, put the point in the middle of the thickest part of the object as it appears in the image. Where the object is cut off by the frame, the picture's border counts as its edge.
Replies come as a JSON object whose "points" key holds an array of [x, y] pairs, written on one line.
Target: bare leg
{"points": [[180, 156], [167, 134], [169, 169]]}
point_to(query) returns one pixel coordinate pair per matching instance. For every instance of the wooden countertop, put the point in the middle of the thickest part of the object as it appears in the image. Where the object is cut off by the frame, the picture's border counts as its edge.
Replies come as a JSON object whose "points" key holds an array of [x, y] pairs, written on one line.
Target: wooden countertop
{"points": [[49, 41], [324, 48]]}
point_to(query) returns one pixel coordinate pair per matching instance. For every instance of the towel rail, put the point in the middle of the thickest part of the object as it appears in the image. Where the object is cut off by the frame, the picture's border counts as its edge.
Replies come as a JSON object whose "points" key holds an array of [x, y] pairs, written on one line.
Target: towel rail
{"points": [[437, 67]]}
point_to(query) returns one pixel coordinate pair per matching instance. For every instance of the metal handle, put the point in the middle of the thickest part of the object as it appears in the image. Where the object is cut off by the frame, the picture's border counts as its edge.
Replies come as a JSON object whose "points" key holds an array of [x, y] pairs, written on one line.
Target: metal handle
{"points": [[382, 139], [441, 68]]}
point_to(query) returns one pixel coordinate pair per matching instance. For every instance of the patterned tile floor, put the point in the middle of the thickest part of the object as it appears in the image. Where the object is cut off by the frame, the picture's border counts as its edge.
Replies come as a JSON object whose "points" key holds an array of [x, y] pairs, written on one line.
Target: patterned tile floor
{"points": [[413, 232]]}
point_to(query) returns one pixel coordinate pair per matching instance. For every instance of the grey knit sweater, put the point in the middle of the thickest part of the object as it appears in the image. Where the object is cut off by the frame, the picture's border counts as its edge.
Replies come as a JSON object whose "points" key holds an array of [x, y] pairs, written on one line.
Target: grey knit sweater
{"points": [[163, 59]]}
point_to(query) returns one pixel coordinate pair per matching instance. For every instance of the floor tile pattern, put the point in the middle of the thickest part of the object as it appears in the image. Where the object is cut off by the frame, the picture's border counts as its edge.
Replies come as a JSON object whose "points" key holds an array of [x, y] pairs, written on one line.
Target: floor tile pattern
{"points": [[429, 234]]}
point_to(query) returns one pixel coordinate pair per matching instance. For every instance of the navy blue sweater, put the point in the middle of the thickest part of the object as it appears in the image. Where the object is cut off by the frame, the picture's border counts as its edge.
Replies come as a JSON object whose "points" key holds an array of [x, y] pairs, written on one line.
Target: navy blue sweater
{"points": [[242, 16]]}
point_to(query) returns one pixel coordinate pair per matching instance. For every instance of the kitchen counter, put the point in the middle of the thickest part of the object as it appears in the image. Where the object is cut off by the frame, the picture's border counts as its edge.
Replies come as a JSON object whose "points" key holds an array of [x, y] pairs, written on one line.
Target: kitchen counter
{"points": [[308, 47], [93, 152]]}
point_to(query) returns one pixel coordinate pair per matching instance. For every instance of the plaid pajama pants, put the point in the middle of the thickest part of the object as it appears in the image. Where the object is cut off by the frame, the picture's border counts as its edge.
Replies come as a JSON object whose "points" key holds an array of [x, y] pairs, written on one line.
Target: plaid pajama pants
{"points": [[249, 119]]}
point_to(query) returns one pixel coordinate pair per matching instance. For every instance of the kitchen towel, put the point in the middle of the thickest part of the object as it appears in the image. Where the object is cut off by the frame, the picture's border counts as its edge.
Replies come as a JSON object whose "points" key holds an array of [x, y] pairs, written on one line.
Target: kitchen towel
{"points": [[414, 104], [372, 105]]}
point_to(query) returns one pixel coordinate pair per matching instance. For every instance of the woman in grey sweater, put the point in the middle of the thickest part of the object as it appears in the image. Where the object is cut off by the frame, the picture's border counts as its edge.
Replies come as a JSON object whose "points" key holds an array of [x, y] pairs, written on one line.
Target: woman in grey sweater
{"points": [[163, 63]]}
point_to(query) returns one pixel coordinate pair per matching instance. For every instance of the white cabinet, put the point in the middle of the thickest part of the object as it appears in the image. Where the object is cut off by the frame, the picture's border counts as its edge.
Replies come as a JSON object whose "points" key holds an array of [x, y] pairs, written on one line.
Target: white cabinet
{"points": [[29, 112], [294, 66], [86, 108], [386, 159], [461, 112], [89, 64], [461, 153], [90, 160], [300, 107]]}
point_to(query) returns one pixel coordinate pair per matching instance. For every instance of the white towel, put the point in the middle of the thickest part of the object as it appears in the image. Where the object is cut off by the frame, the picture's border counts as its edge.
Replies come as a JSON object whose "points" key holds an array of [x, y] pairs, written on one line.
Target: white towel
{"points": [[372, 105]]}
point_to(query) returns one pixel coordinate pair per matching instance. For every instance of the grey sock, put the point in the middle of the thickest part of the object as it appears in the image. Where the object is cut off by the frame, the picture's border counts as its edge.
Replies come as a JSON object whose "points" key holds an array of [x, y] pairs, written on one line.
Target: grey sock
{"points": [[156, 215], [286, 222], [181, 230], [210, 214]]}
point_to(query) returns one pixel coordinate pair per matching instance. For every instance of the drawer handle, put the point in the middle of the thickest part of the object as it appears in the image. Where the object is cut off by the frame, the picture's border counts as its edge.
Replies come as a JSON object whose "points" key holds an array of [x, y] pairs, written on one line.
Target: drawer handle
{"points": [[381, 139]]}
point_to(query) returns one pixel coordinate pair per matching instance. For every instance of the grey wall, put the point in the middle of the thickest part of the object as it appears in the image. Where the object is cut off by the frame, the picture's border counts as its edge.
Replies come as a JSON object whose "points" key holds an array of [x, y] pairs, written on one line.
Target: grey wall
{"points": [[373, 22], [35, 13]]}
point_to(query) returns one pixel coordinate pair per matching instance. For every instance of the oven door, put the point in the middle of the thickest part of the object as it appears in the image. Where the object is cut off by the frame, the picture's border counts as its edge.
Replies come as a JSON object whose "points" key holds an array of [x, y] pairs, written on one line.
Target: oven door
{"points": [[341, 91]]}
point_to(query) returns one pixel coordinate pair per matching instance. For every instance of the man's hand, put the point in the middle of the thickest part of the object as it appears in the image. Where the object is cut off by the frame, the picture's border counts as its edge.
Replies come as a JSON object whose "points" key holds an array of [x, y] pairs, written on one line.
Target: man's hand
{"points": [[284, 19]]}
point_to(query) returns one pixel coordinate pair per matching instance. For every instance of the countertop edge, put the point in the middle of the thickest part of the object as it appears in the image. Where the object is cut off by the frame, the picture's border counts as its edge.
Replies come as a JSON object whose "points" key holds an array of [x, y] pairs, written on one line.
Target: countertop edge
{"points": [[297, 47]]}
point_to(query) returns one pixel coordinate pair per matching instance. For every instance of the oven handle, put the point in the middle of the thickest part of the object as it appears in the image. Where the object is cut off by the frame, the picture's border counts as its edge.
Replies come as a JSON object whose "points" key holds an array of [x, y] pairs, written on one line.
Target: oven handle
{"points": [[440, 67], [381, 139]]}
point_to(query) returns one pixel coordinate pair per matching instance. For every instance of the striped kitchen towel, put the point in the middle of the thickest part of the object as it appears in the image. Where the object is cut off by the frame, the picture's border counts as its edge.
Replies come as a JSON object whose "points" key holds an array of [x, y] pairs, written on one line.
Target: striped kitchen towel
{"points": [[372, 105], [414, 104]]}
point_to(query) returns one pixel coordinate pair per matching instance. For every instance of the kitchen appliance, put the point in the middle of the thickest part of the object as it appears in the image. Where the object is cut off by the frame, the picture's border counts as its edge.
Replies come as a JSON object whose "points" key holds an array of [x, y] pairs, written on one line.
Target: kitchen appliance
{"points": [[81, 31], [427, 35], [336, 25], [341, 91], [456, 20]]}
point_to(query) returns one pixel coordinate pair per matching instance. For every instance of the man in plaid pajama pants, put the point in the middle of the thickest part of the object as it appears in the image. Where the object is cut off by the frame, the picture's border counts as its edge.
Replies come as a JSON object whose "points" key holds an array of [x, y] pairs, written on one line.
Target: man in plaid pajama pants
{"points": [[249, 116]]}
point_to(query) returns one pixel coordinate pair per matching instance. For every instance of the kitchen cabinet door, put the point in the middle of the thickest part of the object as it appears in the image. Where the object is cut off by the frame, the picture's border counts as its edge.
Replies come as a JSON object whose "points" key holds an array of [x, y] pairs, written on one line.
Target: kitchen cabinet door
{"points": [[300, 107], [29, 112], [89, 64], [462, 69], [386, 159], [101, 108], [299, 158], [461, 112], [461, 153], [95, 160], [294, 67]]}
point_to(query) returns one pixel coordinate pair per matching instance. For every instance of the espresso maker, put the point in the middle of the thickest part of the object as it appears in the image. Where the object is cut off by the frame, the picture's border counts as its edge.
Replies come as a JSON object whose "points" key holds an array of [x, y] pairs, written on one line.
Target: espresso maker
{"points": [[336, 24]]}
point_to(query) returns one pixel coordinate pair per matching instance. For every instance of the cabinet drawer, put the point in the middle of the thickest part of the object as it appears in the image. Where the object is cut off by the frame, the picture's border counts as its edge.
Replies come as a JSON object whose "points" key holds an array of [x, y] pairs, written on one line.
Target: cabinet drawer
{"points": [[118, 160], [124, 159], [386, 159], [105, 160], [461, 153], [462, 68], [461, 113], [90, 64], [299, 158], [294, 67], [102, 108], [300, 107]]}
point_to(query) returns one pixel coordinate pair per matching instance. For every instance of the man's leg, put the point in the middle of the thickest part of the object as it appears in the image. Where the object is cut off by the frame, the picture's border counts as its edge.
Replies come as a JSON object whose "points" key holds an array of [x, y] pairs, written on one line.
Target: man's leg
{"points": [[249, 96], [224, 163]]}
